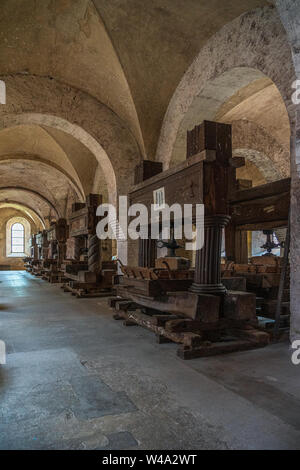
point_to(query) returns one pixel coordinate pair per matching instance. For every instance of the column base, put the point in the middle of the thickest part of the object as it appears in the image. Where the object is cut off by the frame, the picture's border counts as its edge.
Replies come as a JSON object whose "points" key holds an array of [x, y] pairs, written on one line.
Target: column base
{"points": [[212, 289]]}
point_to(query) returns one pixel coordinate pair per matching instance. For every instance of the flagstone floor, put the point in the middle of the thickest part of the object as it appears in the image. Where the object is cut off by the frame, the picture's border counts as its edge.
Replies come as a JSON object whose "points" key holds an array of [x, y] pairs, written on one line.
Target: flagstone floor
{"points": [[76, 379]]}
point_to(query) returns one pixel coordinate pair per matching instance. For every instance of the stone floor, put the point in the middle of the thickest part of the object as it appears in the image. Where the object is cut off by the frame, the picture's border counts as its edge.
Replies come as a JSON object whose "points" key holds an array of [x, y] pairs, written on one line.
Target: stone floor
{"points": [[77, 379]]}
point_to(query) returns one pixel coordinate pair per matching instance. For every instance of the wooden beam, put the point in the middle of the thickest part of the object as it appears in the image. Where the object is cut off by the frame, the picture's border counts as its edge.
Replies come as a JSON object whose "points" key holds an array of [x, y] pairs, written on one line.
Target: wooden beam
{"points": [[265, 190], [261, 209], [161, 177], [263, 225], [237, 162]]}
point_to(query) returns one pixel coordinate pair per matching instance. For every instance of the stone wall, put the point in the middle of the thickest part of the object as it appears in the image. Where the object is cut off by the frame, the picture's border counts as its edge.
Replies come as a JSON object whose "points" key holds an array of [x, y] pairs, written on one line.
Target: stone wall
{"points": [[266, 39], [289, 11], [7, 262]]}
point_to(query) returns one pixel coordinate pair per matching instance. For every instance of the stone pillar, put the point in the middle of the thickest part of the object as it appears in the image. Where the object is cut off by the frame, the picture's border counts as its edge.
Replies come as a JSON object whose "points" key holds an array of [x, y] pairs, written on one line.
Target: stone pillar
{"points": [[207, 278], [290, 16]]}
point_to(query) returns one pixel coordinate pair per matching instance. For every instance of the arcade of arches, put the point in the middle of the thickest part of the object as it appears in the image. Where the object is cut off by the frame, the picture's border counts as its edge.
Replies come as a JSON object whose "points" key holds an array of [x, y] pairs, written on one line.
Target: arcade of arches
{"points": [[94, 87]]}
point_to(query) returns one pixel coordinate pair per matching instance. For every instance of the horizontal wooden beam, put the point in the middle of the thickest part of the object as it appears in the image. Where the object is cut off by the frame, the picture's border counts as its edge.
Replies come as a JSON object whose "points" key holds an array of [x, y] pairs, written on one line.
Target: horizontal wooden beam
{"points": [[263, 191], [263, 225], [237, 162], [259, 211], [208, 155]]}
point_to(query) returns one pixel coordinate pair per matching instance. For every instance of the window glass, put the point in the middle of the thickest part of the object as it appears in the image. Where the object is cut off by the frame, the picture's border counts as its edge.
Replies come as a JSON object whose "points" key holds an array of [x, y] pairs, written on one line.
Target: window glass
{"points": [[17, 238]]}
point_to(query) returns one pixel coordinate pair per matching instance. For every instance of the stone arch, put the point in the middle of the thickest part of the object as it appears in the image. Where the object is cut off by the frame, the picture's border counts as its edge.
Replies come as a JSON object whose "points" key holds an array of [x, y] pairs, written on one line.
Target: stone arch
{"points": [[260, 148], [36, 142], [261, 161], [99, 184], [28, 210], [255, 40], [40, 178], [48, 102], [74, 130], [35, 193], [36, 159], [290, 17], [27, 232]]}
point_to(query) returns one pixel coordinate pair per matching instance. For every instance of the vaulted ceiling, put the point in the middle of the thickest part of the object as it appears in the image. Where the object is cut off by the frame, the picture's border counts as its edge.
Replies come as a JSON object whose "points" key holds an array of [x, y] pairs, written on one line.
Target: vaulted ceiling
{"points": [[125, 58]]}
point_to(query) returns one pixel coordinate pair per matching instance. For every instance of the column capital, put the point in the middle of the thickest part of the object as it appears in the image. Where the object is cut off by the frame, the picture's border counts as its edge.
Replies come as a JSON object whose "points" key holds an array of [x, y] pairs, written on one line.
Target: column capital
{"points": [[216, 220]]}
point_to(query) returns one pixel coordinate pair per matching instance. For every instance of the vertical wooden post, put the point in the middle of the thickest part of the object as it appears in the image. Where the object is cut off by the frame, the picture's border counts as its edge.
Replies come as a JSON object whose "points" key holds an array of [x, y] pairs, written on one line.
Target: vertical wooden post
{"points": [[94, 243], [147, 251], [93, 253], [76, 248], [217, 176], [241, 247], [146, 247], [230, 242], [44, 247], [61, 237], [207, 278]]}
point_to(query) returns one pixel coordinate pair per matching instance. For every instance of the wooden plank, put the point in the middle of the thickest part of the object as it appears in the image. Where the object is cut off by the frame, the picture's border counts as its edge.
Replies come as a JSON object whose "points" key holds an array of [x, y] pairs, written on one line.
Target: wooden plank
{"points": [[238, 162], [125, 305], [230, 242], [261, 210], [265, 190], [262, 225], [82, 220], [129, 323], [241, 247], [213, 349], [185, 186], [113, 300], [255, 336], [162, 339], [188, 339], [242, 184], [162, 320], [188, 304], [159, 179], [146, 169]]}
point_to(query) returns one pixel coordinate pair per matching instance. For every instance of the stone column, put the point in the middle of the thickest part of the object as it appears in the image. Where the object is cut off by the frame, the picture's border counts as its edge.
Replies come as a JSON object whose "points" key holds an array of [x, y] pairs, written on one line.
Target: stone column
{"points": [[289, 14], [207, 278]]}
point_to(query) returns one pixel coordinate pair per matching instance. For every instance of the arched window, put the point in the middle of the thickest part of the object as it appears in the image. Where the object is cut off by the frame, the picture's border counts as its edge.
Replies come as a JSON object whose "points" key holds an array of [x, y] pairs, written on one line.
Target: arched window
{"points": [[18, 230], [17, 238]]}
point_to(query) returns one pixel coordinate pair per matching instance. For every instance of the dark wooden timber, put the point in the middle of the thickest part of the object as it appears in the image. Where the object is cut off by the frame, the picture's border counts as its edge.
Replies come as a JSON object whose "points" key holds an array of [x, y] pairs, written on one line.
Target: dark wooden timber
{"points": [[89, 277], [192, 311], [182, 184], [217, 175], [258, 208], [266, 190], [147, 252], [146, 169], [208, 268], [57, 236]]}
